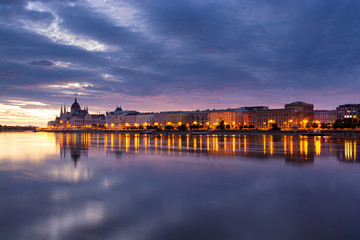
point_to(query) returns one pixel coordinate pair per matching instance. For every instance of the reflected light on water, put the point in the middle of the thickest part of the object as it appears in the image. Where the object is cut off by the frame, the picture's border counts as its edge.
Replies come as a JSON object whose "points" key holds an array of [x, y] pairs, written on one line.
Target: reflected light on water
{"points": [[264, 144], [37, 146], [32, 147], [57, 226], [318, 146], [70, 174], [350, 150]]}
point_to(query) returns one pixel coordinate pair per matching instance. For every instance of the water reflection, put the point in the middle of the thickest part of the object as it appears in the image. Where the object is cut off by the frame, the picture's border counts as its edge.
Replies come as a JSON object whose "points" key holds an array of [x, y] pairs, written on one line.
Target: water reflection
{"points": [[138, 186], [349, 152], [293, 149], [77, 145]]}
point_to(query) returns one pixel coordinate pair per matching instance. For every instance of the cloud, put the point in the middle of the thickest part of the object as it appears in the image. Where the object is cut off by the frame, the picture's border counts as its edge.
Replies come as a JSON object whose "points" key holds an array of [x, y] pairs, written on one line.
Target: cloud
{"points": [[43, 63]]}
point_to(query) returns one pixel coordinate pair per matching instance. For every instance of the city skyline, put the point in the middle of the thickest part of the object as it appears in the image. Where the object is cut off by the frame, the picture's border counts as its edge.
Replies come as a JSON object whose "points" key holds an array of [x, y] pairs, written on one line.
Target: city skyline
{"points": [[184, 55]]}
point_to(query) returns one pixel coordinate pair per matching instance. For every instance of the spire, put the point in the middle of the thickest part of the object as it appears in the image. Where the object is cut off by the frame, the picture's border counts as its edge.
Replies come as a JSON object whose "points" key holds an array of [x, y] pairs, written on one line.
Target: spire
{"points": [[75, 99], [61, 110]]}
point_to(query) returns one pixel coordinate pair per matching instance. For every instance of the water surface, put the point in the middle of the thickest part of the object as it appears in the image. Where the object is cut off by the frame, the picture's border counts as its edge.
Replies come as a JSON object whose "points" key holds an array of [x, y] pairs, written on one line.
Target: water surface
{"points": [[122, 186]]}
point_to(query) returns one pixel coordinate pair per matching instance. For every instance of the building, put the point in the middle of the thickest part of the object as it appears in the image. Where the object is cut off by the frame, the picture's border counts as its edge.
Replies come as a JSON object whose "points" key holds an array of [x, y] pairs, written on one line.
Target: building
{"points": [[283, 118], [199, 118], [348, 111], [248, 116], [145, 119], [177, 118], [77, 117], [232, 117], [324, 116], [121, 119], [95, 120], [160, 120], [305, 112]]}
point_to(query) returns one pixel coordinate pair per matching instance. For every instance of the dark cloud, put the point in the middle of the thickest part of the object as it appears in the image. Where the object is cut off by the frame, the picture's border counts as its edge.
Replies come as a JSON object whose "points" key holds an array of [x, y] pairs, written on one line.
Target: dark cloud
{"points": [[43, 63]]}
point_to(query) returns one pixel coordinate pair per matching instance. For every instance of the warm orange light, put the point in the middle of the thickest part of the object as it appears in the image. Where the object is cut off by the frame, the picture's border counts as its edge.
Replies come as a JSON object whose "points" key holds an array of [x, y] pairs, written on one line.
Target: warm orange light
{"points": [[156, 124], [195, 122], [179, 123]]}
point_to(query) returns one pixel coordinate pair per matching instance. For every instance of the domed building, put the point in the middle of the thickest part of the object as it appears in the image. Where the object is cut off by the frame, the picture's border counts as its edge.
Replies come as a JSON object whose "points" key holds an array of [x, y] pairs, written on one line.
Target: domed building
{"points": [[75, 107], [77, 117]]}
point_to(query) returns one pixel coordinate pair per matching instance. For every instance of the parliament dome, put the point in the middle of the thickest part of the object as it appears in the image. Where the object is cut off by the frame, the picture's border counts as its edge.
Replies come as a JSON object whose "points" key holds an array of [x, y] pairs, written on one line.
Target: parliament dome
{"points": [[75, 107]]}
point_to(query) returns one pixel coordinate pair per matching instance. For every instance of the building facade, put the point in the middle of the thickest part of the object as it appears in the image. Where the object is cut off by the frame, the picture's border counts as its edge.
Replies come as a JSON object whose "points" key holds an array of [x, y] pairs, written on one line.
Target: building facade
{"points": [[77, 118], [283, 118], [351, 111], [233, 118], [305, 112], [324, 116]]}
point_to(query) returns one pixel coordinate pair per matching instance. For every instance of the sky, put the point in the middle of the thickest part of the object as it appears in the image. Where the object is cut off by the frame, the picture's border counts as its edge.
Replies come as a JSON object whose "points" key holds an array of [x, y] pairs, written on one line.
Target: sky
{"points": [[163, 55]]}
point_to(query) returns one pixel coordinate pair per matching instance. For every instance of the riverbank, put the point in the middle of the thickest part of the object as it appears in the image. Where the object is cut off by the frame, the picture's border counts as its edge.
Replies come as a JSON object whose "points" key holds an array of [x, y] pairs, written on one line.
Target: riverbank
{"points": [[333, 133]]}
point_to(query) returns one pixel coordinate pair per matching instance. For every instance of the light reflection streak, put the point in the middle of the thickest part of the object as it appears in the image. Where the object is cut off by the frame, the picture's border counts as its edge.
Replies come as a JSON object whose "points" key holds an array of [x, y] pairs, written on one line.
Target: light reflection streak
{"points": [[264, 144], [245, 148], [127, 142], [156, 144], [208, 143], [187, 141], [179, 140], [306, 143], [136, 144], [318, 146], [169, 145], [233, 143], [195, 143]]}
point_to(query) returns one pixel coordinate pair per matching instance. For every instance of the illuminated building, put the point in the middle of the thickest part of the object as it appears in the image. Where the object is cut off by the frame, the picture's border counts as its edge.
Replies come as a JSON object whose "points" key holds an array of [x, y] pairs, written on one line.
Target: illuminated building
{"points": [[232, 117], [174, 118], [145, 119], [121, 119], [264, 119], [160, 120], [325, 116], [294, 114], [348, 111], [77, 117], [199, 117], [305, 111]]}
